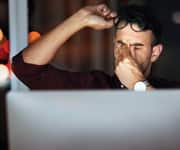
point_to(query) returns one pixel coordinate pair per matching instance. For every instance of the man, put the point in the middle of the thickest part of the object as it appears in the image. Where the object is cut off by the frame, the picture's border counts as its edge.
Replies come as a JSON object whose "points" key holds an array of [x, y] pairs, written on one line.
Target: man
{"points": [[137, 46]]}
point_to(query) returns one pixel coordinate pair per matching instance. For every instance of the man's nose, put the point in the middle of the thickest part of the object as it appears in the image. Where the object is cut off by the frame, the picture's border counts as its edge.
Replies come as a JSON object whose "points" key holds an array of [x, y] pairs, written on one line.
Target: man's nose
{"points": [[132, 50]]}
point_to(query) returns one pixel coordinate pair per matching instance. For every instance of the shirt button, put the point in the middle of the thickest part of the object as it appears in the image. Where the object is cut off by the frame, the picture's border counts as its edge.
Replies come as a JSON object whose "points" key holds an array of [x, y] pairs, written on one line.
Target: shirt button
{"points": [[122, 86]]}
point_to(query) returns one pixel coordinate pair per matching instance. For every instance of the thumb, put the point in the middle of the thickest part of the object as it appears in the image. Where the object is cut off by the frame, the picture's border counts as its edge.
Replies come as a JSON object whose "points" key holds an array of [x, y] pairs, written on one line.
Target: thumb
{"points": [[109, 24]]}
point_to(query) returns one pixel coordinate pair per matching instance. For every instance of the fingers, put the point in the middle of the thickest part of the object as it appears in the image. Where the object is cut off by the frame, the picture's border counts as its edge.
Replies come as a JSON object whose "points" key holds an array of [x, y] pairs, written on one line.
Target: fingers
{"points": [[99, 17], [106, 12], [122, 54]]}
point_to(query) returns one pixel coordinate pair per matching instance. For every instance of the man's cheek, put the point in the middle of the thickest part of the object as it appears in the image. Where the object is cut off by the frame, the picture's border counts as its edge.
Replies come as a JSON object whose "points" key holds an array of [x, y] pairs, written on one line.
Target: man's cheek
{"points": [[116, 61], [116, 52], [116, 56], [140, 63]]}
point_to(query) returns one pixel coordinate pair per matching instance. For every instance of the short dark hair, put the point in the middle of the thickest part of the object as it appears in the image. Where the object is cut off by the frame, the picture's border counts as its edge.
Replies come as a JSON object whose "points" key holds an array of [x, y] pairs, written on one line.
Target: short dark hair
{"points": [[141, 16]]}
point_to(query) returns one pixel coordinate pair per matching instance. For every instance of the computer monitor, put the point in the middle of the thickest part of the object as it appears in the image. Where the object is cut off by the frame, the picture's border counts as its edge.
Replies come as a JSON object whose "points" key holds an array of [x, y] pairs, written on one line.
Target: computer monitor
{"points": [[93, 120]]}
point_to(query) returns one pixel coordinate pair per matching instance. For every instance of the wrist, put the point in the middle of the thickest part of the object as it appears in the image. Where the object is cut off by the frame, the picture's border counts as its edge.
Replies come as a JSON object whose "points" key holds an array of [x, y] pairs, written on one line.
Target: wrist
{"points": [[142, 85], [82, 16]]}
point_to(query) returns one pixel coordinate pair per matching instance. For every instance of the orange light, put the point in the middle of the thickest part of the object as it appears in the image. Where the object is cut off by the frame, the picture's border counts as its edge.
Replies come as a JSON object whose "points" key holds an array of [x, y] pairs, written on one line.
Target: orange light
{"points": [[1, 35], [33, 36]]}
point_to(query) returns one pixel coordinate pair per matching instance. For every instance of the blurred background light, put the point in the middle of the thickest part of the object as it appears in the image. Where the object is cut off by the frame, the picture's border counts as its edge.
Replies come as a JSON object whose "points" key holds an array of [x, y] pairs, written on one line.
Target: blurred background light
{"points": [[33, 36], [1, 35], [176, 17], [4, 76]]}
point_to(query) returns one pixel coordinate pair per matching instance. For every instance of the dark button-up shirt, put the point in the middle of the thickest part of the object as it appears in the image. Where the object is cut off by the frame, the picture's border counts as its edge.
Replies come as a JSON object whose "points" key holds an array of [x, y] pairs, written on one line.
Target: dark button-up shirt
{"points": [[49, 77]]}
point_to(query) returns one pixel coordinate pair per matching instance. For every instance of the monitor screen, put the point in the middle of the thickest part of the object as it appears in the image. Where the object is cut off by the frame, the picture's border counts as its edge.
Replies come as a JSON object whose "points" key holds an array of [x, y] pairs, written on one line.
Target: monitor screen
{"points": [[64, 120]]}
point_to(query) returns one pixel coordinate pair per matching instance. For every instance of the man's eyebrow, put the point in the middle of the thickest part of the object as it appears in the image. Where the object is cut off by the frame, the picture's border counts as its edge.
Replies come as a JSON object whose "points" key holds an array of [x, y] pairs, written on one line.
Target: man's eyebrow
{"points": [[137, 44], [134, 44], [120, 41]]}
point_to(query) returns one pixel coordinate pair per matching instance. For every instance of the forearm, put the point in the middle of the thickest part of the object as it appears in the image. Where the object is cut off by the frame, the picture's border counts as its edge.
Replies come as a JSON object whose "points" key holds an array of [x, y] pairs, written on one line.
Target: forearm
{"points": [[97, 17], [44, 50]]}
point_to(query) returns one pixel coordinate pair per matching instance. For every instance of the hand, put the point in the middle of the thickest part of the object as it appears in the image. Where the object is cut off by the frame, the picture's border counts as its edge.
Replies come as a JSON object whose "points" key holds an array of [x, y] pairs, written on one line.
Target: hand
{"points": [[98, 17], [127, 69]]}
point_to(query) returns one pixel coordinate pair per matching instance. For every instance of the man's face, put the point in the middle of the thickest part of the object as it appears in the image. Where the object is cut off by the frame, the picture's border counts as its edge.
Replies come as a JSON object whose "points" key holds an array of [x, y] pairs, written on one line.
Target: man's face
{"points": [[139, 44]]}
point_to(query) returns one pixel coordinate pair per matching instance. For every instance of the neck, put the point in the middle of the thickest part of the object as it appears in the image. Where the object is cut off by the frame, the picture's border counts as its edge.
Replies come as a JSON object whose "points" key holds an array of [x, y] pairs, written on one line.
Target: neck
{"points": [[147, 71]]}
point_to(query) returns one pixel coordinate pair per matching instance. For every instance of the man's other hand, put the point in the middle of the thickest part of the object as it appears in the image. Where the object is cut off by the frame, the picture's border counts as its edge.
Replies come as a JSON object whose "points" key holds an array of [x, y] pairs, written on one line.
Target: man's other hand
{"points": [[127, 69]]}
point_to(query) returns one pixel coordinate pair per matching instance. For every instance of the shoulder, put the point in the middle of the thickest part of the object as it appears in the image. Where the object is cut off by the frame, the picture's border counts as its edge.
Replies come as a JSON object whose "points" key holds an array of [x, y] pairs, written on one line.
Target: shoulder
{"points": [[163, 83], [97, 73]]}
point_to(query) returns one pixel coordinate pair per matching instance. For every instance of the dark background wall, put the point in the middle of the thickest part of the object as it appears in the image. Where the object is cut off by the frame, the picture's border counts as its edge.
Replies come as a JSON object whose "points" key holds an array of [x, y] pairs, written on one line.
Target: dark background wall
{"points": [[4, 24], [168, 66]]}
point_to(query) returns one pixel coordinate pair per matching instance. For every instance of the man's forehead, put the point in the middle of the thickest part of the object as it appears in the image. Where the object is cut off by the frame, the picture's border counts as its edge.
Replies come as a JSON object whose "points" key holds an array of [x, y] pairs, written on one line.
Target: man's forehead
{"points": [[127, 34]]}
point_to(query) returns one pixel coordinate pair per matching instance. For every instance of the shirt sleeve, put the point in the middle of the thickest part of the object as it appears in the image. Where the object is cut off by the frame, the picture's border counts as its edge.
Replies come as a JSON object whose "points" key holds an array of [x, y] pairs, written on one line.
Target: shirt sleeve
{"points": [[49, 77]]}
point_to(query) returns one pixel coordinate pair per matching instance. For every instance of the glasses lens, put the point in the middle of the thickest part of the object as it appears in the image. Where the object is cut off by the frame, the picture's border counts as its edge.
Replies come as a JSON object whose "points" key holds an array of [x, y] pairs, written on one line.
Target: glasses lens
{"points": [[116, 20], [135, 27], [136, 24], [120, 23]]}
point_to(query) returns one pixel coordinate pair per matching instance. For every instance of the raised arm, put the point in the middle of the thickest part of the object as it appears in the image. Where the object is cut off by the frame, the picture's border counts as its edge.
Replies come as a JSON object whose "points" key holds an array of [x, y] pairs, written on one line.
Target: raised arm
{"points": [[41, 52]]}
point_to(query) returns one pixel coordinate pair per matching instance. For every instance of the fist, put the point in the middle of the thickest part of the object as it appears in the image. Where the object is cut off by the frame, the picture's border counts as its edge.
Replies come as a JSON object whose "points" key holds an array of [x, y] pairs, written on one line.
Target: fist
{"points": [[127, 69], [99, 17]]}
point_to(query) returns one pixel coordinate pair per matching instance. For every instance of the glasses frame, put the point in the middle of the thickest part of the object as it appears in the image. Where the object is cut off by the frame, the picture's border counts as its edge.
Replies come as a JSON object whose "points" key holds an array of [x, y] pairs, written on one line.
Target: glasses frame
{"points": [[133, 24]]}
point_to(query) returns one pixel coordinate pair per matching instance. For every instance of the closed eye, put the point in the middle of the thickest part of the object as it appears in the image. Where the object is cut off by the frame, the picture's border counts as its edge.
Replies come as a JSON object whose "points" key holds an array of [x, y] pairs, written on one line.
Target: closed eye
{"points": [[120, 43], [138, 47]]}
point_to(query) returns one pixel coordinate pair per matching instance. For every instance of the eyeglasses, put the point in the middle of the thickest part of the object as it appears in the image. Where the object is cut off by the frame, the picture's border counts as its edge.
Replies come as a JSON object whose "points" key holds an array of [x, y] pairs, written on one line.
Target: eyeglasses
{"points": [[136, 25]]}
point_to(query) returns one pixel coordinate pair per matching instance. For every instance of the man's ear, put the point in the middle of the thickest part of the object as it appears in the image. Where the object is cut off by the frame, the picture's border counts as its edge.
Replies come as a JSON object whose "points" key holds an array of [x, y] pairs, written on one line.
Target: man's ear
{"points": [[156, 52]]}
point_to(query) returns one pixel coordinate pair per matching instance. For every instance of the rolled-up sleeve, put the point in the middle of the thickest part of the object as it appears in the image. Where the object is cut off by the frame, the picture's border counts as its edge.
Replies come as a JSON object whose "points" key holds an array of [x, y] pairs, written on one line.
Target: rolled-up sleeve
{"points": [[49, 77]]}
